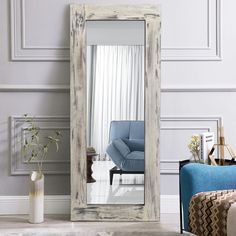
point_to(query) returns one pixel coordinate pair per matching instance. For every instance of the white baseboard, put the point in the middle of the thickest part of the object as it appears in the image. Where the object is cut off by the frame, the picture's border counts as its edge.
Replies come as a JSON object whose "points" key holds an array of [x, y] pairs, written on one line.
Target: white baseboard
{"points": [[169, 203], [60, 204], [53, 204]]}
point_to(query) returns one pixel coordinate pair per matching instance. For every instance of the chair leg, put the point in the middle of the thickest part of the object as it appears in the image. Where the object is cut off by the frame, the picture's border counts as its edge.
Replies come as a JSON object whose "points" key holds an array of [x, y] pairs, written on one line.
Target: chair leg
{"points": [[111, 177]]}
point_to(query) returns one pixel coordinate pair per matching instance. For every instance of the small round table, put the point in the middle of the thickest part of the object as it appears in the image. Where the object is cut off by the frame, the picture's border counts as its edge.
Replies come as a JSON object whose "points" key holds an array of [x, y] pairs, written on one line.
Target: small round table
{"points": [[90, 156]]}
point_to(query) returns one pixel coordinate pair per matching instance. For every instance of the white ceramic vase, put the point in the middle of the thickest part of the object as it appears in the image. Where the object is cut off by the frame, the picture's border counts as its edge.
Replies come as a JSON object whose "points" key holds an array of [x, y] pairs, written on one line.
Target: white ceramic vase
{"points": [[36, 198]]}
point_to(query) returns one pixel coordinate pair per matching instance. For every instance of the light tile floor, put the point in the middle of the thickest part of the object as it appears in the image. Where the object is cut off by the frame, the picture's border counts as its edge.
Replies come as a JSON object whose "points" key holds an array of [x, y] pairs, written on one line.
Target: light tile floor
{"points": [[60, 225], [128, 189]]}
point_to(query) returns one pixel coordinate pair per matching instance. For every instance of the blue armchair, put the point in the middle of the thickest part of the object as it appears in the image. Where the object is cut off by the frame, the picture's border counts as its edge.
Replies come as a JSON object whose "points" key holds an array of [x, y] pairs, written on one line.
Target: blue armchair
{"points": [[196, 178], [126, 147]]}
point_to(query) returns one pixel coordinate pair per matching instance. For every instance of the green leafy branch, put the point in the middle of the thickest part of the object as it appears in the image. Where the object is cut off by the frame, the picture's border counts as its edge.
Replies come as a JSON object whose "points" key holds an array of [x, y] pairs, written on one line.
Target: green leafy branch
{"points": [[35, 147]]}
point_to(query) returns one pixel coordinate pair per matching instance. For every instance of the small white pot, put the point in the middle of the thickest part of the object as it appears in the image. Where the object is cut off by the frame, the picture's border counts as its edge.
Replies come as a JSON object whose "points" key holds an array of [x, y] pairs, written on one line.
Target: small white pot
{"points": [[36, 198]]}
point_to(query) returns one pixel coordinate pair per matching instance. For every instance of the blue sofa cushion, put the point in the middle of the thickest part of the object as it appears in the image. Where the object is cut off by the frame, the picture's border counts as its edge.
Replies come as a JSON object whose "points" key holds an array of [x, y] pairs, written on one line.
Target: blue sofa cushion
{"points": [[134, 144], [121, 146], [136, 130], [119, 129], [126, 129], [134, 161]]}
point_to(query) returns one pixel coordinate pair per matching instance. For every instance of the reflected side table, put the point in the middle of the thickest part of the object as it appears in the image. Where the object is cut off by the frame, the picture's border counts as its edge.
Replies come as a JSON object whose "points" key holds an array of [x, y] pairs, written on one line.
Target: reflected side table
{"points": [[90, 156]]}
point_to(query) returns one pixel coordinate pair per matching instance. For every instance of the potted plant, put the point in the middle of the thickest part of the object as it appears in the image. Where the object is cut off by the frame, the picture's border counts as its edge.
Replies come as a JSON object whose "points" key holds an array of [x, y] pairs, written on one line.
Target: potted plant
{"points": [[35, 148]]}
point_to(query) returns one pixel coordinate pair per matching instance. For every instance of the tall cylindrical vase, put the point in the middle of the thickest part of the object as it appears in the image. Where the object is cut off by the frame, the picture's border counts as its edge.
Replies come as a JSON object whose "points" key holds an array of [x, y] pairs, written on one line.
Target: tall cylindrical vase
{"points": [[36, 198]]}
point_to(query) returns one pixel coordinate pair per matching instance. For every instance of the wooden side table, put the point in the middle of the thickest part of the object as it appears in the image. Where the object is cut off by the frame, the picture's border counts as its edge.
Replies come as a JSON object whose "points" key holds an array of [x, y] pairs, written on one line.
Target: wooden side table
{"points": [[90, 156]]}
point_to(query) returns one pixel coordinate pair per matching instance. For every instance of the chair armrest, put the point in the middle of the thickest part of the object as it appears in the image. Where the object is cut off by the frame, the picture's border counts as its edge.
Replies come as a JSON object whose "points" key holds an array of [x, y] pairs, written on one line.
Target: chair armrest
{"points": [[195, 178], [121, 146], [117, 150]]}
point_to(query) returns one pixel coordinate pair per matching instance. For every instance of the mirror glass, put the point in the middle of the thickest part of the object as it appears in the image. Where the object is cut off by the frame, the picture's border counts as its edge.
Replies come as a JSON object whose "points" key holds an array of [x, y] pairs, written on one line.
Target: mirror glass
{"points": [[115, 112]]}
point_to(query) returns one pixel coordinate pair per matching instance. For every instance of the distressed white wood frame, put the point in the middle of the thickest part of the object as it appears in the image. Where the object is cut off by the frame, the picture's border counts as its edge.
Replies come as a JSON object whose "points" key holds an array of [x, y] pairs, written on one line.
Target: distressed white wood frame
{"points": [[150, 210]]}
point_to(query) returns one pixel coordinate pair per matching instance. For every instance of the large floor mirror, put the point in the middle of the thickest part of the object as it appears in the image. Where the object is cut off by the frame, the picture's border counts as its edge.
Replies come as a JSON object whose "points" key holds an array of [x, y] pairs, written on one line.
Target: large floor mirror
{"points": [[115, 111]]}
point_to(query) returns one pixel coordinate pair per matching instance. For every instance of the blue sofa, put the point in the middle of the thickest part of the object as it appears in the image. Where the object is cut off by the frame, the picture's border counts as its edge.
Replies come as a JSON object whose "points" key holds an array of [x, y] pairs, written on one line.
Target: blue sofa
{"points": [[196, 178], [126, 145]]}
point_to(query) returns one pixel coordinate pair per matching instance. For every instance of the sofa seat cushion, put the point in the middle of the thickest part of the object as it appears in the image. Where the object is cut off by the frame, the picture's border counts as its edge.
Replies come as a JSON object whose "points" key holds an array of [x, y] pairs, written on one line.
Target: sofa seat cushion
{"points": [[134, 161], [134, 144], [136, 156]]}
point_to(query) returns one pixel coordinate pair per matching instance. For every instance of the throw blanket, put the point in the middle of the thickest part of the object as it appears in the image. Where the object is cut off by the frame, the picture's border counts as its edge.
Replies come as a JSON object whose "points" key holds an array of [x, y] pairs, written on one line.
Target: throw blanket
{"points": [[231, 226], [208, 212]]}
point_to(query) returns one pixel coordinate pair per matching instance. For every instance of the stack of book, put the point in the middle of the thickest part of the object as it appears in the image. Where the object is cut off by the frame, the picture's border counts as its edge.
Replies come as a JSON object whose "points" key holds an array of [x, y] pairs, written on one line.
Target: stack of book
{"points": [[207, 141]]}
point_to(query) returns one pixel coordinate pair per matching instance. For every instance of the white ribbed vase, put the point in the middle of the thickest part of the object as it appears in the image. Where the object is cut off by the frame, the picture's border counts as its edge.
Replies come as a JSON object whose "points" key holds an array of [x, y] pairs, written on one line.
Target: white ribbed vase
{"points": [[36, 198]]}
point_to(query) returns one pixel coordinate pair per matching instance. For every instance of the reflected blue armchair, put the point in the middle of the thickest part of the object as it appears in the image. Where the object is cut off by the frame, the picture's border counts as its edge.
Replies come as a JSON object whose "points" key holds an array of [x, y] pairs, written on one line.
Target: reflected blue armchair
{"points": [[196, 178], [126, 147]]}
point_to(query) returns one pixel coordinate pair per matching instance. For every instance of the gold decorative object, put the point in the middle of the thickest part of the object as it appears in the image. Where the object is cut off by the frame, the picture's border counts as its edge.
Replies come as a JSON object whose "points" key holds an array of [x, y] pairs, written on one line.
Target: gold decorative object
{"points": [[221, 146]]}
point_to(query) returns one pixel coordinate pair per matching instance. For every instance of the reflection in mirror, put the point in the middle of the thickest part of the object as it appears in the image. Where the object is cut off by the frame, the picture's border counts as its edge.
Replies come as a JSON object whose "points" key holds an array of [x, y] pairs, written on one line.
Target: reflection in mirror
{"points": [[115, 112]]}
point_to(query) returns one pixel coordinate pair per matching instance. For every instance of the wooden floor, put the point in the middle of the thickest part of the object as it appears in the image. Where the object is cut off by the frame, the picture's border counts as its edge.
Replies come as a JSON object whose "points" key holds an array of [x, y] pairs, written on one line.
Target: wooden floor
{"points": [[60, 225]]}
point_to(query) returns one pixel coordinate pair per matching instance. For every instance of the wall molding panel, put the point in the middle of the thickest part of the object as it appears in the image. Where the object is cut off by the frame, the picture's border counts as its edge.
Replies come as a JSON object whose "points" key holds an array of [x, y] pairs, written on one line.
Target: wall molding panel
{"points": [[21, 50], [57, 163], [63, 88], [23, 34], [193, 89], [170, 164], [212, 50], [60, 88]]}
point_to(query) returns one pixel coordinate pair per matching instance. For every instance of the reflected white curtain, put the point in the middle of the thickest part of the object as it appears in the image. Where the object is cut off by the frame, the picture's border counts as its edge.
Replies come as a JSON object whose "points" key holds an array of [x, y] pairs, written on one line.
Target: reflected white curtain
{"points": [[115, 90]]}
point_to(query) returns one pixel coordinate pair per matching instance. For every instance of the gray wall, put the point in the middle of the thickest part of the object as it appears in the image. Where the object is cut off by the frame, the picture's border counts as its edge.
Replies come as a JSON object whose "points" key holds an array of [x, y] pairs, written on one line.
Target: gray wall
{"points": [[33, 87], [198, 77]]}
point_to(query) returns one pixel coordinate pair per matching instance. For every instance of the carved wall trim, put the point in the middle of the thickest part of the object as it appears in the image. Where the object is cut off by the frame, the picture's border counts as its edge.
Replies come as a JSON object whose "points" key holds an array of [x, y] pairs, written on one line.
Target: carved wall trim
{"points": [[23, 51], [20, 166], [171, 166]]}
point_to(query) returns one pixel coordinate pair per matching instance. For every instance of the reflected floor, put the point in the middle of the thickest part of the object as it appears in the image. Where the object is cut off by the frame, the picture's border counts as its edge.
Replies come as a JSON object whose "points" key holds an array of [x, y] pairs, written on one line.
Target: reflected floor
{"points": [[126, 189]]}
